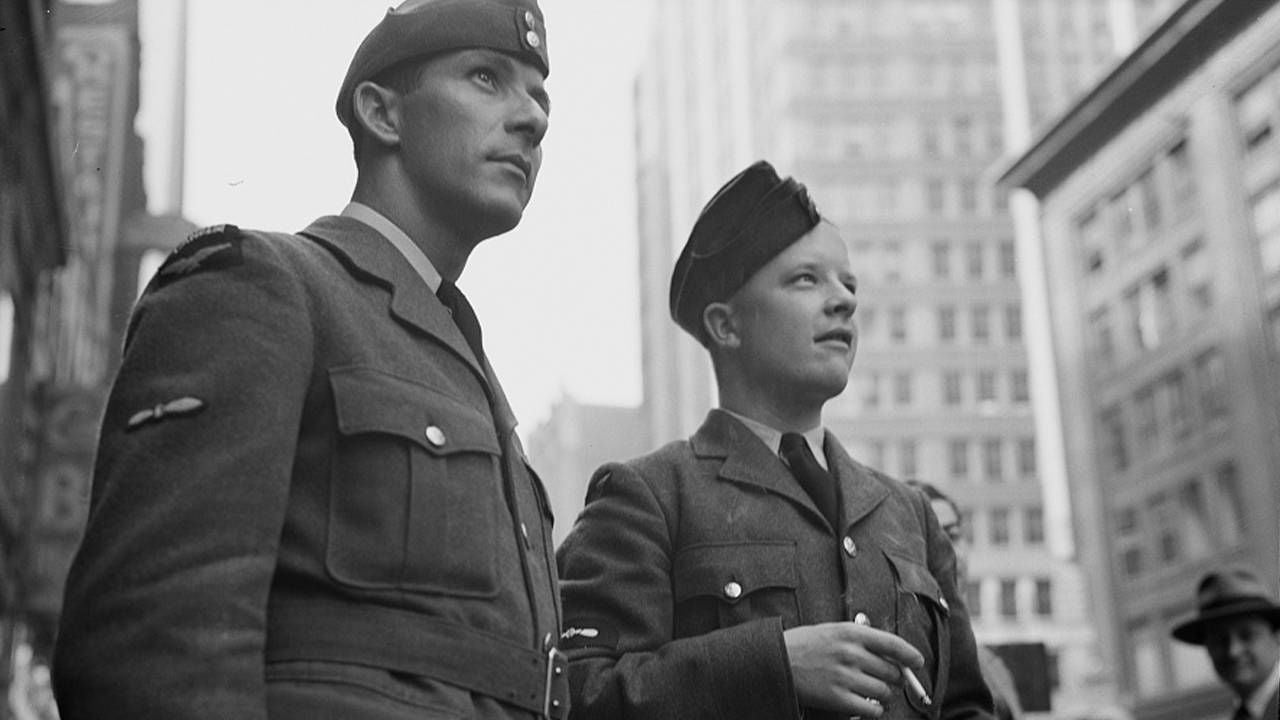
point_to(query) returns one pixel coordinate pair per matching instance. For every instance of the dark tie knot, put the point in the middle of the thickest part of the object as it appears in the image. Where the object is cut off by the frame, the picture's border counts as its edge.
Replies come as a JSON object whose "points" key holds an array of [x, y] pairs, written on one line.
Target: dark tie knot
{"points": [[794, 445], [815, 480], [464, 316]]}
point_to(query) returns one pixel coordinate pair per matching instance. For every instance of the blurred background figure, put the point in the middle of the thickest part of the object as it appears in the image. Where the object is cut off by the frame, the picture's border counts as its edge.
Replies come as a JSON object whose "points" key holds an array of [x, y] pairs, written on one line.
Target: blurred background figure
{"points": [[1238, 623], [994, 671]]}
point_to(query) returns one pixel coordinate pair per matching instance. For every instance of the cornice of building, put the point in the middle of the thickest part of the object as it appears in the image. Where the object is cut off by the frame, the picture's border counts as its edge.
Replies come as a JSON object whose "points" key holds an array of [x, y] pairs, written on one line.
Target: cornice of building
{"points": [[1191, 34]]}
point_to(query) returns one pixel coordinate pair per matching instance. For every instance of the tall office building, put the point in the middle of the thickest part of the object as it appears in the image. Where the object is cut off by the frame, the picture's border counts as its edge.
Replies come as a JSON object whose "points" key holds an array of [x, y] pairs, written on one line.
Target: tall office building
{"points": [[892, 112], [1160, 193]]}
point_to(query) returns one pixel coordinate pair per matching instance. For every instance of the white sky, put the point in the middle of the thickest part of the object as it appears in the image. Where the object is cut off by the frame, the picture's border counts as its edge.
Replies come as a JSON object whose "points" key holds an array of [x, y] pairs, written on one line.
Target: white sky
{"points": [[558, 296]]}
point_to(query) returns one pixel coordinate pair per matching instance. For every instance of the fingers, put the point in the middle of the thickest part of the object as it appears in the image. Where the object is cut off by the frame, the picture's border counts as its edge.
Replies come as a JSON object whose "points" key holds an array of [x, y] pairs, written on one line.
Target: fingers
{"points": [[884, 645], [862, 708]]}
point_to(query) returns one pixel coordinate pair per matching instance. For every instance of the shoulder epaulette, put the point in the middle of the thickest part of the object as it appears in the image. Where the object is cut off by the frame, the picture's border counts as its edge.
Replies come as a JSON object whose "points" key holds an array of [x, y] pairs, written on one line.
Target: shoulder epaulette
{"points": [[206, 249]]}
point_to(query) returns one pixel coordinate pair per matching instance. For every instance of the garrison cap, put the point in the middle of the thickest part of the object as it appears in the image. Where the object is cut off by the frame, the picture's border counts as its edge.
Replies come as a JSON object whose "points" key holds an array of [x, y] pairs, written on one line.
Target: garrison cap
{"points": [[418, 28], [751, 219]]}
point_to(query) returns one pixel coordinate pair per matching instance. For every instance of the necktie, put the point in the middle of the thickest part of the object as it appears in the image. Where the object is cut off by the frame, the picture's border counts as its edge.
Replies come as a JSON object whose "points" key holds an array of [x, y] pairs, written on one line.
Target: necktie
{"points": [[464, 316], [1242, 713], [812, 477]]}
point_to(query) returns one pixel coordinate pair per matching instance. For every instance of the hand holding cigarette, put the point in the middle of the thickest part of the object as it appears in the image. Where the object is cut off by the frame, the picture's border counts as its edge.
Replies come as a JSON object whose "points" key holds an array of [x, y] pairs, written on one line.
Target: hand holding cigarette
{"points": [[913, 682]]}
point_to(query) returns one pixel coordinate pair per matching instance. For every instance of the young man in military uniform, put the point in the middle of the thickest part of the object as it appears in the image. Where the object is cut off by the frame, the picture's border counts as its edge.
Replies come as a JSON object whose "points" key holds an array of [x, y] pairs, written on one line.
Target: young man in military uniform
{"points": [[309, 499], [755, 570]]}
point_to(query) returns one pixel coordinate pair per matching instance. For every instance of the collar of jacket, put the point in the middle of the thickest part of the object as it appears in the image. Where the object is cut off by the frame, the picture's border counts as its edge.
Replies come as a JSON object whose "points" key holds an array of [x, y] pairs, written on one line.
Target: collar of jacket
{"points": [[367, 253], [747, 460]]}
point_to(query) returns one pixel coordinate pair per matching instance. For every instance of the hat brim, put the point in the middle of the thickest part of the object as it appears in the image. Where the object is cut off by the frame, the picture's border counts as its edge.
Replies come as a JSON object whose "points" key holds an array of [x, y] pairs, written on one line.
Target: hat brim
{"points": [[1192, 631]]}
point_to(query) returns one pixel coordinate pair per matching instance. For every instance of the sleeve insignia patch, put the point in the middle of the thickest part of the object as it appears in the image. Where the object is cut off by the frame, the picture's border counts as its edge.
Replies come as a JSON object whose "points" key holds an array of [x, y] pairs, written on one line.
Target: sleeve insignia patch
{"points": [[588, 632], [208, 249], [174, 408]]}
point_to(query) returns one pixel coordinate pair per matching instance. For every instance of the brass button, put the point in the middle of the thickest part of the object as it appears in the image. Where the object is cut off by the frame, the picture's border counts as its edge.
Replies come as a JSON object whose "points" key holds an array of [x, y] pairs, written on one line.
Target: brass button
{"points": [[732, 590], [850, 547], [529, 19], [532, 38], [435, 435]]}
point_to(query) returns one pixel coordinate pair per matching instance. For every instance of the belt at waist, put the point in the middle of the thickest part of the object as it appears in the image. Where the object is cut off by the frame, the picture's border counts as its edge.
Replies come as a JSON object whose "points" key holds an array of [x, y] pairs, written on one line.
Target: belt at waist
{"points": [[422, 645]]}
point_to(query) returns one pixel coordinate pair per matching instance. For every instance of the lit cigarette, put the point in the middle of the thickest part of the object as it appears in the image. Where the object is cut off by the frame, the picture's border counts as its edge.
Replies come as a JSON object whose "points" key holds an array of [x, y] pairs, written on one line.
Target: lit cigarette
{"points": [[913, 682]]}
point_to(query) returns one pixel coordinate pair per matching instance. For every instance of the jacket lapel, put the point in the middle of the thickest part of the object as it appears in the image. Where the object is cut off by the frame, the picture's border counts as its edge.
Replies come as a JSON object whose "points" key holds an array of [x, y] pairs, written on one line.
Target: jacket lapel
{"points": [[747, 459], [366, 252], [860, 491]]}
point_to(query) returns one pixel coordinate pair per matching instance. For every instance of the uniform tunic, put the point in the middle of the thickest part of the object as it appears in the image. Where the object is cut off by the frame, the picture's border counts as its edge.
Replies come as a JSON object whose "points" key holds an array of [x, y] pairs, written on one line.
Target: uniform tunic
{"points": [[309, 499], [687, 564]]}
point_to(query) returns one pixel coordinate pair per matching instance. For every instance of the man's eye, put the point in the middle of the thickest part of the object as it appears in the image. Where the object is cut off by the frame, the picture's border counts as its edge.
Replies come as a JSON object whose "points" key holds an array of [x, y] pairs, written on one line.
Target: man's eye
{"points": [[486, 76]]}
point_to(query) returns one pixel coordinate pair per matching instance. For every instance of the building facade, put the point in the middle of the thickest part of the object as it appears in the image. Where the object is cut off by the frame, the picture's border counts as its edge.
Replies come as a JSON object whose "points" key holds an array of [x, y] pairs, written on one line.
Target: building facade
{"points": [[1160, 226], [573, 442]]}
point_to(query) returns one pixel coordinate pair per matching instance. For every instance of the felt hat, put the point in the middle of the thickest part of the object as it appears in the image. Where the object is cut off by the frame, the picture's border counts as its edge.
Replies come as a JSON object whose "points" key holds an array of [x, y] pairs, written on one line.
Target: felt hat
{"points": [[1223, 594]]}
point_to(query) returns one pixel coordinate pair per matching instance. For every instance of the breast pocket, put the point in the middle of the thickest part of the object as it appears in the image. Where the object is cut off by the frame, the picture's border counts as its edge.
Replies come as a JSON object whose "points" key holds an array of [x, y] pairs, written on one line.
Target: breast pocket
{"points": [[722, 585], [922, 619], [415, 494]]}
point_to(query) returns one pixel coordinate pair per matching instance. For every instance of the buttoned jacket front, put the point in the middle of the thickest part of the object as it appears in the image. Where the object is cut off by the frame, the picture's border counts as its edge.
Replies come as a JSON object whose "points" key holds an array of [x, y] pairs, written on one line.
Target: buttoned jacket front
{"points": [[350, 488], [686, 566]]}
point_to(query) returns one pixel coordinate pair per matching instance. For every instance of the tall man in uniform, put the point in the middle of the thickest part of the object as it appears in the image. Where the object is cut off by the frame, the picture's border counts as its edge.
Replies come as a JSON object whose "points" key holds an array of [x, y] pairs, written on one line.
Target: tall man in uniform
{"points": [[309, 499], [1238, 622], [755, 571]]}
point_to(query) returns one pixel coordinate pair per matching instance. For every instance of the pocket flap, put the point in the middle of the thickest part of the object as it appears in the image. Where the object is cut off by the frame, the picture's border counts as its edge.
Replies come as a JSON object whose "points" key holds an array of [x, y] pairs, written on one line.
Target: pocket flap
{"points": [[372, 401], [731, 571], [915, 578]]}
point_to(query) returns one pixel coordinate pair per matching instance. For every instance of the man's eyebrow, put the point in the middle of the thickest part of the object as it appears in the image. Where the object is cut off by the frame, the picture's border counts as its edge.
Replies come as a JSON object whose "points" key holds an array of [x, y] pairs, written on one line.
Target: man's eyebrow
{"points": [[541, 97], [511, 64]]}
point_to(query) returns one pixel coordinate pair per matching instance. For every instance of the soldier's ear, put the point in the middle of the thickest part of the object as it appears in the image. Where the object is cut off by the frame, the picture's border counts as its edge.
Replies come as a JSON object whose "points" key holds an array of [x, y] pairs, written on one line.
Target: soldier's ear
{"points": [[377, 110], [721, 325]]}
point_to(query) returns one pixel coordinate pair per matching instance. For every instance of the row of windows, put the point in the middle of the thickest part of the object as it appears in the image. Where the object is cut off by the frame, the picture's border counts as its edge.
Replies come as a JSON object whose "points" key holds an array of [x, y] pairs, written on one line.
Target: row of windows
{"points": [[978, 322], [1150, 312], [906, 138], [992, 456], [1006, 598], [1132, 216], [991, 459], [891, 75], [845, 19], [975, 260], [1162, 413], [956, 389], [892, 261], [1199, 517], [910, 199], [994, 527]]}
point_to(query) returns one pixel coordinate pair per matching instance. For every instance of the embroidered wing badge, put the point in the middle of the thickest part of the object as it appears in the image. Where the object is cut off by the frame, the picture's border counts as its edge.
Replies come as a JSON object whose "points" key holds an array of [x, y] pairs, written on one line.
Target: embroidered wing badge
{"points": [[208, 249]]}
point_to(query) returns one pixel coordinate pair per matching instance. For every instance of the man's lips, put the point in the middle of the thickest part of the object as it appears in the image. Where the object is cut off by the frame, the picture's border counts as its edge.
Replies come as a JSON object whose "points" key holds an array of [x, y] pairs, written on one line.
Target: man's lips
{"points": [[517, 161], [843, 336]]}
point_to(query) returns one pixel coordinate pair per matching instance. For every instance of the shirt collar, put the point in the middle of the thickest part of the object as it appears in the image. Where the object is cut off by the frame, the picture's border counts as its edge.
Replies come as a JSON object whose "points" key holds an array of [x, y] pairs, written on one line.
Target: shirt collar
{"points": [[772, 437], [1257, 702], [397, 237]]}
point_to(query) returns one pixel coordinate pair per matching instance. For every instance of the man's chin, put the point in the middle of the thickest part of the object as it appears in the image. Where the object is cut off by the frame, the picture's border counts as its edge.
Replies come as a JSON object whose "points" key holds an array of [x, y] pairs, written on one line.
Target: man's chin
{"points": [[500, 216], [1243, 682]]}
